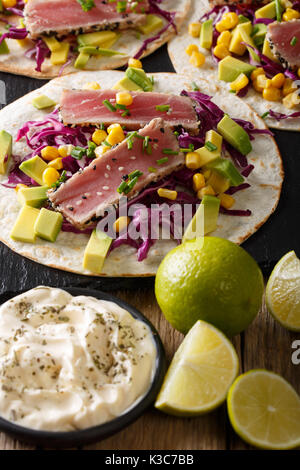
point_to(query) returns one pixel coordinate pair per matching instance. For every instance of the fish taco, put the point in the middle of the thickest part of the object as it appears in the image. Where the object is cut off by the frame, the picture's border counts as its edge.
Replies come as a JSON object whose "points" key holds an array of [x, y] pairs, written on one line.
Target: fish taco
{"points": [[103, 173], [250, 48]]}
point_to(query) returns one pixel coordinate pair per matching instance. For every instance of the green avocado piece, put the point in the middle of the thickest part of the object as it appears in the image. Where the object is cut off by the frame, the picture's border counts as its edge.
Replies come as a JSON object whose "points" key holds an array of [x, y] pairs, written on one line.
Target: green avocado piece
{"points": [[206, 34], [42, 102], [81, 60], [52, 43], [153, 22], [96, 251], [230, 68], [214, 138], [5, 150], [34, 196], [126, 84], [206, 155], [60, 56], [48, 224], [259, 33], [4, 47], [246, 38], [96, 39], [204, 220], [139, 77], [227, 170], [267, 11], [96, 50], [243, 19], [34, 168], [23, 230], [235, 135]]}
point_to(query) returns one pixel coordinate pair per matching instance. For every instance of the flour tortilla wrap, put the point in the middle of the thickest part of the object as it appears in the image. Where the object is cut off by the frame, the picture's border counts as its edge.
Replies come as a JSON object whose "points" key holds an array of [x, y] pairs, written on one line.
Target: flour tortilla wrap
{"points": [[16, 62], [67, 252], [209, 71]]}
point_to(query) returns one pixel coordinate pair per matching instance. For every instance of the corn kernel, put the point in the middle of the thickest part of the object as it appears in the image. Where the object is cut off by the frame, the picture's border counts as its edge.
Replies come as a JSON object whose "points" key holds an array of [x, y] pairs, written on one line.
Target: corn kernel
{"points": [[278, 80], [167, 193], [198, 181], [121, 223], [57, 163], [220, 27], [207, 174], [224, 38], [261, 81], [226, 200], [192, 160], [49, 153], [99, 136], [113, 126], [288, 87], [99, 151], [230, 19], [291, 101], [194, 29], [221, 51], [125, 98], [197, 59], [50, 176], [9, 3], [65, 150], [268, 83], [240, 82], [298, 72], [272, 94], [290, 14], [116, 135], [91, 86], [257, 87], [191, 48], [137, 64], [19, 186], [206, 191], [256, 72]]}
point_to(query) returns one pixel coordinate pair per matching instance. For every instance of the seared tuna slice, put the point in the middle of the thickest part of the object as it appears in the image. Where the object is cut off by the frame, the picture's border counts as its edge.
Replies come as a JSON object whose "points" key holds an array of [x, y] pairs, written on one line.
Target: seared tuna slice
{"points": [[89, 192], [86, 107], [64, 16], [284, 40]]}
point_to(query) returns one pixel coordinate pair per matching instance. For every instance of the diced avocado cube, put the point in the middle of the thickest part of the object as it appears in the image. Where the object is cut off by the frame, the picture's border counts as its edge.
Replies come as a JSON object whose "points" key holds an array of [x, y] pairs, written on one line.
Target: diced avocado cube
{"points": [[126, 84], [206, 155], [96, 50], [60, 56], [96, 251], [4, 47], [97, 39], [243, 19], [139, 77], [34, 196], [206, 34], [204, 220], [52, 43], [236, 46], [153, 22], [248, 40], [5, 150], [259, 33], [267, 11], [268, 52], [81, 60], [23, 230], [218, 182], [227, 170], [42, 102], [215, 138], [234, 134], [230, 68], [34, 168], [48, 224]]}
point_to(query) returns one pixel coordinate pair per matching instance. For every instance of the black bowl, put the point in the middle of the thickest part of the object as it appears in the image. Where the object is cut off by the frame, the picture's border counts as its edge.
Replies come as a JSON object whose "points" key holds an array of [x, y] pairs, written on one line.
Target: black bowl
{"points": [[95, 433]]}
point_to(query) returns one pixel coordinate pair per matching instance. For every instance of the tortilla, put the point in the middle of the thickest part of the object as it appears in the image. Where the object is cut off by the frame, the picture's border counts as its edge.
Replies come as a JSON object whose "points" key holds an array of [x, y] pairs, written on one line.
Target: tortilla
{"points": [[67, 252], [209, 71], [16, 62]]}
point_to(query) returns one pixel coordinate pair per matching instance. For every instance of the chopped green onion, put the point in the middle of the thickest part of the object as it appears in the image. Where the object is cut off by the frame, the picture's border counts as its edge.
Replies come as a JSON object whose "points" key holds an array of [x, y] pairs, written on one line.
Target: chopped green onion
{"points": [[109, 106], [195, 86], [121, 106], [91, 149], [134, 174], [106, 143], [86, 5], [162, 160], [263, 116], [163, 108], [210, 146], [102, 127], [121, 6], [294, 41], [131, 185], [78, 152], [279, 9], [122, 187], [60, 180], [147, 145], [190, 149], [169, 152], [126, 113], [152, 169]]}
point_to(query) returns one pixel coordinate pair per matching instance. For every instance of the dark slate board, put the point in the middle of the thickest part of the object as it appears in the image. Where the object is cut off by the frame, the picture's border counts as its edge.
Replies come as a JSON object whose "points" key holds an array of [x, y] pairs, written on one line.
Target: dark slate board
{"points": [[274, 239]]}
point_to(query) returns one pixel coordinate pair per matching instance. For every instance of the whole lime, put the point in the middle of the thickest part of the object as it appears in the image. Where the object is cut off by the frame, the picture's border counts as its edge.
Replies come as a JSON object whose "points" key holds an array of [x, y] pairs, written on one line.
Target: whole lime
{"points": [[210, 279]]}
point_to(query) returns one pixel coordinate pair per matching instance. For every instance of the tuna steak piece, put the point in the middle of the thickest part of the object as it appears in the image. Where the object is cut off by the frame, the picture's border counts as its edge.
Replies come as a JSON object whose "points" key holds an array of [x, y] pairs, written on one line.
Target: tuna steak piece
{"points": [[89, 192], [64, 16], [284, 40], [86, 107]]}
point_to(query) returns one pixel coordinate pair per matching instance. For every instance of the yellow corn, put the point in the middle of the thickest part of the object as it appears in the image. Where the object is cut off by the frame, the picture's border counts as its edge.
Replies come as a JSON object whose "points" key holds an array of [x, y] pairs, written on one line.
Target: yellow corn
{"points": [[49, 153], [221, 51], [65, 150], [206, 191], [99, 136], [290, 14], [226, 200], [291, 101], [125, 98], [298, 72], [240, 82], [9, 3], [19, 186], [228, 21], [192, 160], [198, 181], [207, 174], [220, 27], [167, 193], [91, 86], [257, 87], [278, 80], [261, 81], [192, 48], [50, 176], [272, 94], [288, 87], [99, 151], [137, 64], [121, 223], [194, 29], [224, 38], [268, 83], [111, 127], [256, 72], [57, 163], [116, 135], [197, 59]]}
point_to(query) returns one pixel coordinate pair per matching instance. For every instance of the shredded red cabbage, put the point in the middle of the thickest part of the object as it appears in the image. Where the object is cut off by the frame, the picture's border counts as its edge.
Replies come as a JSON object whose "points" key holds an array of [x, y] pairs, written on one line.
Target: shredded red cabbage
{"points": [[280, 116], [14, 33], [235, 212], [235, 189], [15, 11]]}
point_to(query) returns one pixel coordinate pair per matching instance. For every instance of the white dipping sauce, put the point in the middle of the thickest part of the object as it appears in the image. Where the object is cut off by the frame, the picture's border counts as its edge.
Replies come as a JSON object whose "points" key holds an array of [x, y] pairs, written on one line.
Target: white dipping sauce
{"points": [[68, 363]]}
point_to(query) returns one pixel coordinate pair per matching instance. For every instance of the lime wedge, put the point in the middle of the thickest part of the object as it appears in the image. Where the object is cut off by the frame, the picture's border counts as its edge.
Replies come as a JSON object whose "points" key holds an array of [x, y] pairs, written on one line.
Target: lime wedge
{"points": [[264, 410], [283, 292], [200, 373]]}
